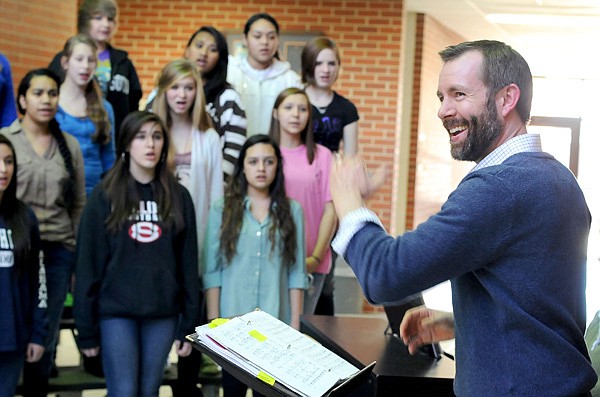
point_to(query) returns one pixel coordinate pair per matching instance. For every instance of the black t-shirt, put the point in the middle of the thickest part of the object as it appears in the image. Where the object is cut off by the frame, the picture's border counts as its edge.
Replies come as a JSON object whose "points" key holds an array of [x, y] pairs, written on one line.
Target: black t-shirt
{"points": [[329, 122]]}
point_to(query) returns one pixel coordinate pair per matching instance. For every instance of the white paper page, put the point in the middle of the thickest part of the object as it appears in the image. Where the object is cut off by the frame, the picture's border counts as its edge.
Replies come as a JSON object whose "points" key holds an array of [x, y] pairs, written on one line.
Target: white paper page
{"points": [[231, 356], [284, 353]]}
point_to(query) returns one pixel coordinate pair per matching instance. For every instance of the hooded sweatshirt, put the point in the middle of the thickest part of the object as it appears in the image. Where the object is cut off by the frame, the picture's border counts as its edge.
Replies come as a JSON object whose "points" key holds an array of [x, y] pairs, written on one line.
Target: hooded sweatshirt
{"points": [[145, 270], [259, 89]]}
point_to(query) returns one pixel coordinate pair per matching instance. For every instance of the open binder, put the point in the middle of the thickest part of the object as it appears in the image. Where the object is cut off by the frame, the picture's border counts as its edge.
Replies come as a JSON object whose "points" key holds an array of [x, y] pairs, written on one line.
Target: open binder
{"points": [[267, 349]]}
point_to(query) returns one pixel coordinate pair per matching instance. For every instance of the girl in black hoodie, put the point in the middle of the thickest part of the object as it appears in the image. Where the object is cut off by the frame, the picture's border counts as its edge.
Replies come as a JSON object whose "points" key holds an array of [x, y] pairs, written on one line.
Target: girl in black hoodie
{"points": [[136, 286]]}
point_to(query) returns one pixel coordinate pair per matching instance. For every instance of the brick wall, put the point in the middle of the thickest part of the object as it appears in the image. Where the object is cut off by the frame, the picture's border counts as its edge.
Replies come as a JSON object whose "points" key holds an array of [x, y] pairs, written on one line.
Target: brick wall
{"points": [[367, 32], [33, 31], [156, 31], [432, 174]]}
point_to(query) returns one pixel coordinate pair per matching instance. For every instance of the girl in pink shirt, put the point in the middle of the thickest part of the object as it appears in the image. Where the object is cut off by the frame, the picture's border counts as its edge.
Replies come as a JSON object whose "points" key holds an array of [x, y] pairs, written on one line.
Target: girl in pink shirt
{"points": [[306, 167]]}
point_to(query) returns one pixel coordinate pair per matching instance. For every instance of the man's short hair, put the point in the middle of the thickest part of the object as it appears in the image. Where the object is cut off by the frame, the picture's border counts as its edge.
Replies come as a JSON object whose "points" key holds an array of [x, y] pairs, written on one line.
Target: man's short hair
{"points": [[502, 65]]}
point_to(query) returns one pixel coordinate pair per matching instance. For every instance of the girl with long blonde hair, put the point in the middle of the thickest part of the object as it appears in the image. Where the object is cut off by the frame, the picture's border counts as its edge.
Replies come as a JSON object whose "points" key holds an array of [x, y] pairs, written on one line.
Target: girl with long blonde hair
{"points": [[195, 153]]}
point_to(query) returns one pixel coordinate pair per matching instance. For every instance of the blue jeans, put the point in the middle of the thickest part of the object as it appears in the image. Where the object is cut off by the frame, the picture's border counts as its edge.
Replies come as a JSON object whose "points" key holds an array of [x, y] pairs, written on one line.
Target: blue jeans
{"points": [[58, 263], [134, 353], [11, 364]]}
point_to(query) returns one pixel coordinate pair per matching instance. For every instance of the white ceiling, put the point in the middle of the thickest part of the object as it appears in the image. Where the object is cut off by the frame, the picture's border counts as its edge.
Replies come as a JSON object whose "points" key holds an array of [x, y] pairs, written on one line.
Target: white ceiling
{"points": [[560, 38]]}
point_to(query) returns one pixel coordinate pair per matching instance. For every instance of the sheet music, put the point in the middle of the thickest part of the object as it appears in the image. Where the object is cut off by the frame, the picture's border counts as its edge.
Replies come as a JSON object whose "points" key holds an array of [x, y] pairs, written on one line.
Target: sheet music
{"points": [[230, 355], [264, 342], [309, 348]]}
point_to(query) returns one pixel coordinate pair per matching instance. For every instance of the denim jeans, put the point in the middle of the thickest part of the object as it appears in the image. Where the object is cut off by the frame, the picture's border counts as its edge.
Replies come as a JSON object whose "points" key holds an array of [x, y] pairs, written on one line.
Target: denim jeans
{"points": [[134, 353], [58, 263], [11, 364]]}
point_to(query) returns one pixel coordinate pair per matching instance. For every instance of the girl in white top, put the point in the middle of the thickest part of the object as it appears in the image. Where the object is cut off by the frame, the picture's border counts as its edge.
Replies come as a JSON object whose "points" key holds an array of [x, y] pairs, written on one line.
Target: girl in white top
{"points": [[259, 76], [196, 147]]}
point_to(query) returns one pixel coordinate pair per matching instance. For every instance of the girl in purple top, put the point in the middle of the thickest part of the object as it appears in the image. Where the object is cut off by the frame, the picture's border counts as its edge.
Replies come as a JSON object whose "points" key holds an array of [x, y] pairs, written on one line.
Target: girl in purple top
{"points": [[335, 119]]}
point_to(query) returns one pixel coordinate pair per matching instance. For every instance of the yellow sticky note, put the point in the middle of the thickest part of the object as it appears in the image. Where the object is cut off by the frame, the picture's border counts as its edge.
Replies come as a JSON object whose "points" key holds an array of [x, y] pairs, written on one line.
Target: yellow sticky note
{"points": [[265, 377], [257, 335], [217, 321]]}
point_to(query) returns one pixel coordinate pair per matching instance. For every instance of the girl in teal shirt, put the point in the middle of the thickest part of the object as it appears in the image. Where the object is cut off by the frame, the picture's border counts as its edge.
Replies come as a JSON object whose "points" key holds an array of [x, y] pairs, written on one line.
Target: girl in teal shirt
{"points": [[254, 255]]}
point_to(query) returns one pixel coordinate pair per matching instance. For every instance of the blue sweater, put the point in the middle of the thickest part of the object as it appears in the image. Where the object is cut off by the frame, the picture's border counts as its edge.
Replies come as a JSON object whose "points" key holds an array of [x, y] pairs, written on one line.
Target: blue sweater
{"points": [[97, 159], [512, 239]]}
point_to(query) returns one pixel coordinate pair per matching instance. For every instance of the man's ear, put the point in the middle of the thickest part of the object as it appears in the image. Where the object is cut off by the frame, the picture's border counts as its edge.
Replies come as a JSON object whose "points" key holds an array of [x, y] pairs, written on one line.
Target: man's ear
{"points": [[509, 97]]}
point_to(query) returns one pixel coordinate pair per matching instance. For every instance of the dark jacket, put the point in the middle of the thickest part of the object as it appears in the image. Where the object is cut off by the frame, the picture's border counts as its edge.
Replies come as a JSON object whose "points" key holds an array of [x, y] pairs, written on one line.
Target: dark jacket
{"points": [[124, 89], [23, 297], [145, 270]]}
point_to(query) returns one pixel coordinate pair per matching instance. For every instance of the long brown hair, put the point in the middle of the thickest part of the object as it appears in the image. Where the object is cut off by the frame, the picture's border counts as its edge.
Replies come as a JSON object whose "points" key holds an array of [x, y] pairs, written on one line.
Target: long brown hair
{"points": [[120, 186], [93, 95], [306, 136], [279, 211]]}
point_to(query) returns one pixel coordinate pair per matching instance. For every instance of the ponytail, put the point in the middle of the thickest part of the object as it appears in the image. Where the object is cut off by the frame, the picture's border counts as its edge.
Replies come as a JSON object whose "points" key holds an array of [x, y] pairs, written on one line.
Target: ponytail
{"points": [[69, 189]]}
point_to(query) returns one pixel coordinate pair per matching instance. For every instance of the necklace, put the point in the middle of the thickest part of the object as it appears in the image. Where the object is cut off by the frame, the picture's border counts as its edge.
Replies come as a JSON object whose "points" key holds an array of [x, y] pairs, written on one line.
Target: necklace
{"points": [[322, 109]]}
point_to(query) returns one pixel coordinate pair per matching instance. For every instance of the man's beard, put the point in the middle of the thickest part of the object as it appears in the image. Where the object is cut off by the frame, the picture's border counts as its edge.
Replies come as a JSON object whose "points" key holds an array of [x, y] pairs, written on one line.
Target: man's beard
{"points": [[483, 132]]}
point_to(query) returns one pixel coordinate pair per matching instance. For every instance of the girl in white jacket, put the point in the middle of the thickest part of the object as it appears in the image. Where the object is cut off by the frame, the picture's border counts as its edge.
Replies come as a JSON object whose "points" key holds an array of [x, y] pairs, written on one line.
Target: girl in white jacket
{"points": [[195, 151], [259, 76]]}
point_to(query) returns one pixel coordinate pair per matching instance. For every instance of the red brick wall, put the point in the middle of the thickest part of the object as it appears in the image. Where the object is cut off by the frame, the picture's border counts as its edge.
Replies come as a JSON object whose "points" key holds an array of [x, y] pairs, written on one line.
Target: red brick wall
{"points": [[33, 31], [156, 31], [367, 32]]}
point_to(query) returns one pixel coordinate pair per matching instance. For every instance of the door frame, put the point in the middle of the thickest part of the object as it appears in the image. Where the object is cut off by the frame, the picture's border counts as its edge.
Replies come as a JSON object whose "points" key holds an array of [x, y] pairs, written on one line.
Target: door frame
{"points": [[572, 123]]}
